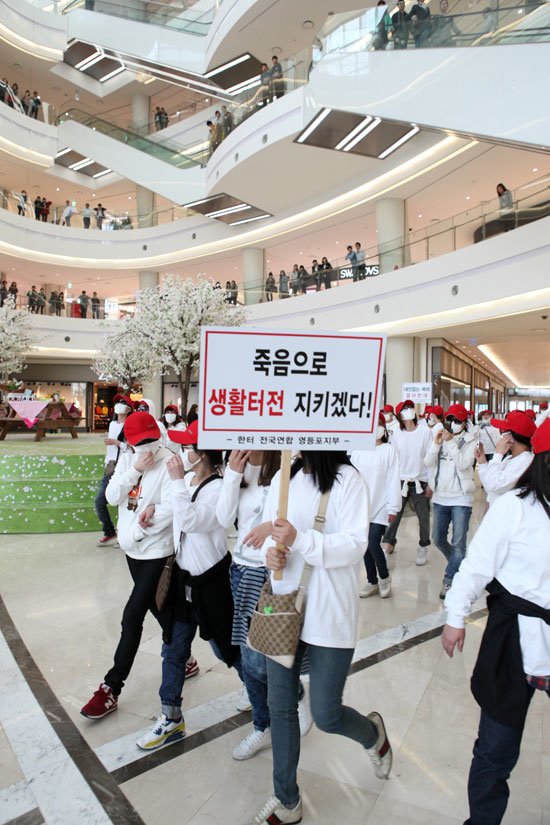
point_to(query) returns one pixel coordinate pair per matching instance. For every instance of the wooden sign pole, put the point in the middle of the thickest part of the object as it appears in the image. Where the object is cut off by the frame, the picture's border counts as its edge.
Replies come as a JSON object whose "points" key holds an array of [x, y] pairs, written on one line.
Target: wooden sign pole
{"points": [[286, 462]]}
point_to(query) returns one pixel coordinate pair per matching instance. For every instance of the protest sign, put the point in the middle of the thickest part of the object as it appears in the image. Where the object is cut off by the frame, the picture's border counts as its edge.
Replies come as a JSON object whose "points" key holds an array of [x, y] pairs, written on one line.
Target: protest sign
{"points": [[289, 390], [419, 393]]}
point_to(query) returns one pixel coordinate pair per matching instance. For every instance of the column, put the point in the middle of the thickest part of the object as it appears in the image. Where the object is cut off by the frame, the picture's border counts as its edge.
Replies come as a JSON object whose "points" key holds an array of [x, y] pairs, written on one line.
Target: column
{"points": [[153, 392], [145, 207], [253, 275], [400, 358], [140, 110], [390, 226], [148, 280]]}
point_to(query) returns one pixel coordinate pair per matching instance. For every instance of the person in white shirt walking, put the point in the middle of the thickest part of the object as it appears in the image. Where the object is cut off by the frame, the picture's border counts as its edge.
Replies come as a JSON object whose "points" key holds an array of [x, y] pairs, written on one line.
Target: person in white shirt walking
{"points": [[488, 435], [329, 631], [543, 414], [435, 418], [411, 443], [140, 481], [391, 421], [509, 557], [450, 462], [380, 470], [512, 454], [115, 444], [68, 212]]}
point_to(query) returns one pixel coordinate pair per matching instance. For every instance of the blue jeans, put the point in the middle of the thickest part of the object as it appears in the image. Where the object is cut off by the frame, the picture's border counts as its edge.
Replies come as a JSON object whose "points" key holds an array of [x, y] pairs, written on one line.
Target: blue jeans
{"points": [[255, 681], [375, 560], [174, 658], [455, 551], [328, 670], [102, 511], [496, 752]]}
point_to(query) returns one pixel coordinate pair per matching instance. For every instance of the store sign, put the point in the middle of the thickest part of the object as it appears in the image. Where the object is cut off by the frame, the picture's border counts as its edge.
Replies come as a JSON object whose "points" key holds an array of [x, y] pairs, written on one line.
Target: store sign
{"points": [[346, 272], [419, 393], [261, 389]]}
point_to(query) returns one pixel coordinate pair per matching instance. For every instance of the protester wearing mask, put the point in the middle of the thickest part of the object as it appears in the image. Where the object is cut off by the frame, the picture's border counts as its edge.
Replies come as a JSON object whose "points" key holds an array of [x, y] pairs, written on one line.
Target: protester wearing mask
{"points": [[114, 443], [450, 462], [200, 592], [512, 454], [391, 422], [141, 479], [146, 405], [488, 435], [435, 419], [411, 443], [172, 420], [508, 557], [380, 470]]}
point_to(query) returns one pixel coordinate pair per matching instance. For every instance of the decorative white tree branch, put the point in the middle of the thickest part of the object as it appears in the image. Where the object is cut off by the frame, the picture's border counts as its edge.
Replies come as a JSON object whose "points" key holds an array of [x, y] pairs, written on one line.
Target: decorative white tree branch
{"points": [[17, 338], [125, 357]]}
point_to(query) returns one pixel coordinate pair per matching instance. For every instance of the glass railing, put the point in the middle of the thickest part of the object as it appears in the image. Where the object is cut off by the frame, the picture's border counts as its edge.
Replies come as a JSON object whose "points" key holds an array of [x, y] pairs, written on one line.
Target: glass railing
{"points": [[376, 29], [181, 16], [530, 203], [166, 151], [114, 220]]}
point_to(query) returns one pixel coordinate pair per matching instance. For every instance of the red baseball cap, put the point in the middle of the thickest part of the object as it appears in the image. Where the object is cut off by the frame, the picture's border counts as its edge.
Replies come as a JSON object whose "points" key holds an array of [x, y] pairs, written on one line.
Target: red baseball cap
{"points": [[403, 404], [388, 408], [118, 397], [459, 412], [485, 412], [139, 427], [540, 442], [188, 437], [381, 419], [516, 422], [544, 405], [171, 407], [437, 410], [532, 414]]}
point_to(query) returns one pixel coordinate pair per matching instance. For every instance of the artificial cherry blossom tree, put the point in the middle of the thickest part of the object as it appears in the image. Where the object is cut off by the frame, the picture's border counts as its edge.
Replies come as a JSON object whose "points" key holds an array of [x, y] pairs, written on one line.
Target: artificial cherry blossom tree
{"points": [[126, 357], [170, 317], [17, 337]]}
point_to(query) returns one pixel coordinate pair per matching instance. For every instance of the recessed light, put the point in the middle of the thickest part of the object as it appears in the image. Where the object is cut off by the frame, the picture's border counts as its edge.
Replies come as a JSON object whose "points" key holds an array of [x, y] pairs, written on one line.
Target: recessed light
{"points": [[420, 216], [57, 190], [467, 197], [535, 169]]}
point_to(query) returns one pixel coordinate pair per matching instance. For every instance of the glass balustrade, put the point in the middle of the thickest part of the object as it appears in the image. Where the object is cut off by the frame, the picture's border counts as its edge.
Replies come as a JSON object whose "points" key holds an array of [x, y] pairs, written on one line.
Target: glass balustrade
{"points": [[166, 151], [432, 26], [181, 16]]}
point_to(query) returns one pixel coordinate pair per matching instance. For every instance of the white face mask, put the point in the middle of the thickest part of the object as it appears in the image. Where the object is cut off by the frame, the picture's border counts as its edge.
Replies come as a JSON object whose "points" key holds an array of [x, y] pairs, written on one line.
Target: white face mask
{"points": [[380, 432], [170, 418], [120, 409], [187, 463], [388, 416], [408, 414], [456, 426], [432, 421], [152, 447], [485, 420]]}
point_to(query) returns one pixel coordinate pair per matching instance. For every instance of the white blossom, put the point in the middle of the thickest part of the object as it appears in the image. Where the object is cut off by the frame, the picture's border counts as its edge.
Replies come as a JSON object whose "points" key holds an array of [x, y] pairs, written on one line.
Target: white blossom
{"points": [[17, 337], [126, 357]]}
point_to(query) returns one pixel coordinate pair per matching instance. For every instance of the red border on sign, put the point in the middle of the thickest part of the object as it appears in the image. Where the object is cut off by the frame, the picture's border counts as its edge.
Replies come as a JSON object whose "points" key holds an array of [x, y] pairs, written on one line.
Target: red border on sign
{"points": [[285, 335]]}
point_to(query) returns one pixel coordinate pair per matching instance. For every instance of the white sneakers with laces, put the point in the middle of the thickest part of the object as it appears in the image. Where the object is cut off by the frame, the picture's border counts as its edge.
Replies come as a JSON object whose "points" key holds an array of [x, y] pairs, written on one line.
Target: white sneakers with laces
{"points": [[274, 811], [421, 556], [243, 702], [380, 754], [256, 741], [164, 732], [384, 587], [368, 591]]}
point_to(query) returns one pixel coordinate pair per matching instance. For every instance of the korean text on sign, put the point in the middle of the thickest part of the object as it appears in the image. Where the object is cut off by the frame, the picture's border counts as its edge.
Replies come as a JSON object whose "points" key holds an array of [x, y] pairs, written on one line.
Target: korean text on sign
{"points": [[288, 390]]}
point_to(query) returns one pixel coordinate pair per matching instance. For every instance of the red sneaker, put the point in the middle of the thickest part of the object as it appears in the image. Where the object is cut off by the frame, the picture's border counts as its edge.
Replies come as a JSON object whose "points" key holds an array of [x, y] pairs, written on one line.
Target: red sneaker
{"points": [[102, 702], [191, 667], [106, 539]]}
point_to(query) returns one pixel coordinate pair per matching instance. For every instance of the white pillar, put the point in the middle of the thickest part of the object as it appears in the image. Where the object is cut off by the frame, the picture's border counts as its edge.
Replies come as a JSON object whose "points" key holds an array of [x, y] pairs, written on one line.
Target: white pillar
{"points": [[253, 275], [145, 206], [140, 109], [399, 367], [390, 226], [153, 392], [148, 280]]}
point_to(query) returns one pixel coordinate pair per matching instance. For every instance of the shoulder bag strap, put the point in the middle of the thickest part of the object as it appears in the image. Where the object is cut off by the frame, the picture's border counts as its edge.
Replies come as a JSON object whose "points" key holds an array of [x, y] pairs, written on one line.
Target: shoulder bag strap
{"points": [[203, 484], [319, 525]]}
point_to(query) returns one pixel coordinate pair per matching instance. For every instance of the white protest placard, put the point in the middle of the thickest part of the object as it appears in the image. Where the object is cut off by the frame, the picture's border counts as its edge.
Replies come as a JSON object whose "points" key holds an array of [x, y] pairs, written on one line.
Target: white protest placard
{"points": [[419, 393], [289, 390]]}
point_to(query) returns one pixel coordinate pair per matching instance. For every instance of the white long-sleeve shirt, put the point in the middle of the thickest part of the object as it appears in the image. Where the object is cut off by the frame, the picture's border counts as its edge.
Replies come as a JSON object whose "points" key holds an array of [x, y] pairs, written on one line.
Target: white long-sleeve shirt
{"points": [[335, 555], [246, 504], [512, 545], [412, 446], [380, 470], [541, 417], [155, 488], [115, 429], [199, 538], [499, 475]]}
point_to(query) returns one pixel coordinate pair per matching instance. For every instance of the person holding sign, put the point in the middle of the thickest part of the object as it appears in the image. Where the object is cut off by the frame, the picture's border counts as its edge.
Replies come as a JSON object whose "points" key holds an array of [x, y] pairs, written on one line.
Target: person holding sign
{"points": [[329, 631], [412, 443]]}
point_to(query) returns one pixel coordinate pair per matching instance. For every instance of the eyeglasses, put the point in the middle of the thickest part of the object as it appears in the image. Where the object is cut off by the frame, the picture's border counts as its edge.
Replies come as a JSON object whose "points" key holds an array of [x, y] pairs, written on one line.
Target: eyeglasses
{"points": [[452, 420]]}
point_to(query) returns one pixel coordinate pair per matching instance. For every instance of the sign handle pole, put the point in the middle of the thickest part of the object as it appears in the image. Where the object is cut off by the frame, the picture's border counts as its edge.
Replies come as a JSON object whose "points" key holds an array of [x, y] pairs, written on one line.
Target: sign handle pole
{"points": [[286, 461]]}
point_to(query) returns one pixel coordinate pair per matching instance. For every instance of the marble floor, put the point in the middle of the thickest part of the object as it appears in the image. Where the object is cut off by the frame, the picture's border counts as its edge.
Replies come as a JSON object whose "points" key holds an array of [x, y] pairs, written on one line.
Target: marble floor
{"points": [[62, 599]]}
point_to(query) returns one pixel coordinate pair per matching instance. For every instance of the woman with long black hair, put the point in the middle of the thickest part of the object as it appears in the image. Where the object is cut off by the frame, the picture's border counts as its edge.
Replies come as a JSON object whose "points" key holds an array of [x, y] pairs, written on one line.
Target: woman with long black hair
{"points": [[509, 556], [329, 631]]}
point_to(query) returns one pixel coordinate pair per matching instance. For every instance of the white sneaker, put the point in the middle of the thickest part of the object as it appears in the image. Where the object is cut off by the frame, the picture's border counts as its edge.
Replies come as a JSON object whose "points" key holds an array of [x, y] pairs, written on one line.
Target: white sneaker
{"points": [[275, 811], [304, 712], [256, 741], [164, 732], [381, 754], [421, 556], [368, 590], [243, 702], [385, 587]]}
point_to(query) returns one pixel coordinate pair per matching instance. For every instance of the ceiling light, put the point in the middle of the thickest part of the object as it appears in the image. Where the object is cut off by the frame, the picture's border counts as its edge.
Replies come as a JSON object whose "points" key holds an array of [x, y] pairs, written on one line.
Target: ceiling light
{"points": [[80, 164], [87, 64], [86, 60], [63, 152], [467, 197], [398, 143], [314, 124], [229, 65], [249, 220], [240, 207], [353, 132], [100, 174], [420, 216], [116, 71], [370, 128], [535, 169], [308, 24], [197, 203]]}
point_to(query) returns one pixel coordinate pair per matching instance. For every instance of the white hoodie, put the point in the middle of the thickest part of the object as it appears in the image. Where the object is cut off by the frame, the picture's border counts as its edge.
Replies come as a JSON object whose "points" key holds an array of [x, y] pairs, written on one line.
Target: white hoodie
{"points": [[451, 470], [153, 542]]}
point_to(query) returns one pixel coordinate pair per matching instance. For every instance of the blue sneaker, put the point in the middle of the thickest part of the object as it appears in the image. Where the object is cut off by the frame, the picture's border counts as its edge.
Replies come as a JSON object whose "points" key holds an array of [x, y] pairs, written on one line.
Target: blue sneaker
{"points": [[164, 732]]}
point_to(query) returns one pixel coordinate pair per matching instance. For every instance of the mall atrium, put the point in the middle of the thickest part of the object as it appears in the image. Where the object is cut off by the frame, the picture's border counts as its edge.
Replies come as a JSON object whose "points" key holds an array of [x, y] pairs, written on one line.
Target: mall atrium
{"points": [[385, 177]]}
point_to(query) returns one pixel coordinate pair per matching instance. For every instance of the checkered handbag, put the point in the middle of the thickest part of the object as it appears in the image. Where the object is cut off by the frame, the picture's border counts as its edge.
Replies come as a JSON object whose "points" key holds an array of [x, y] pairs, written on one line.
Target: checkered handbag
{"points": [[277, 620]]}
